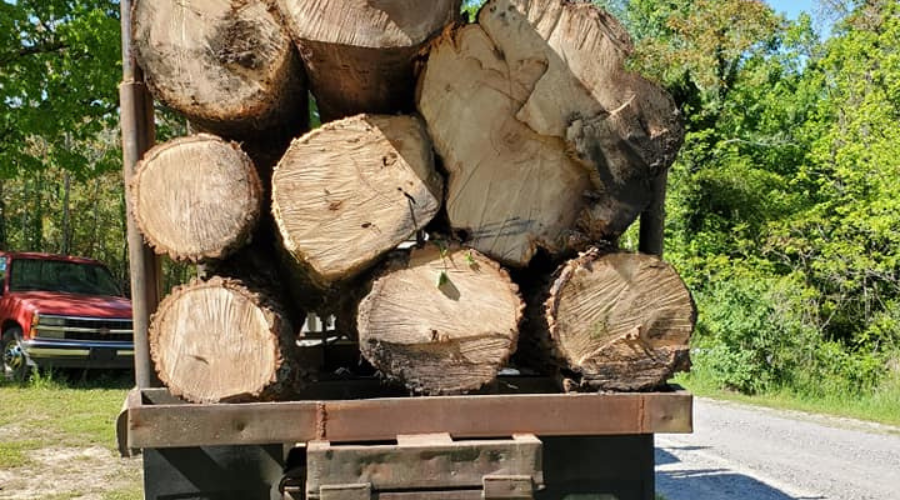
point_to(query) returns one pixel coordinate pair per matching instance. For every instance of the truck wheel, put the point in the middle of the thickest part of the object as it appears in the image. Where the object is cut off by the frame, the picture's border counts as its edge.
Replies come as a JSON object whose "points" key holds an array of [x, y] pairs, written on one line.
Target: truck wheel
{"points": [[15, 361]]}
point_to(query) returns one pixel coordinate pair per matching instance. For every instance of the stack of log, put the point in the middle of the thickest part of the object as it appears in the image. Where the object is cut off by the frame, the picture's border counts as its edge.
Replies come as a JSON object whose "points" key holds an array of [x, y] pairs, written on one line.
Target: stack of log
{"points": [[513, 150]]}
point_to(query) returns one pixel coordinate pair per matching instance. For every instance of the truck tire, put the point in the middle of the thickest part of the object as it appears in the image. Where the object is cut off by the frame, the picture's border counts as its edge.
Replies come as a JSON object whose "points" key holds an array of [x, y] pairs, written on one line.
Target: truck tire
{"points": [[15, 361]]}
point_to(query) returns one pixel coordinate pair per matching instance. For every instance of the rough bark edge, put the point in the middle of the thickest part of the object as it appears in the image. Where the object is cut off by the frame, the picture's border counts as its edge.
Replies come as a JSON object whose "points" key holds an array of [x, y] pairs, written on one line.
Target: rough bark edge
{"points": [[249, 123], [282, 380], [252, 219], [399, 260], [681, 357]]}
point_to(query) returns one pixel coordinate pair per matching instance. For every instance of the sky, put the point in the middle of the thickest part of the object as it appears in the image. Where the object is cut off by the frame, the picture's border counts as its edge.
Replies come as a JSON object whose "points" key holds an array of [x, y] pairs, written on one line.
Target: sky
{"points": [[793, 7]]}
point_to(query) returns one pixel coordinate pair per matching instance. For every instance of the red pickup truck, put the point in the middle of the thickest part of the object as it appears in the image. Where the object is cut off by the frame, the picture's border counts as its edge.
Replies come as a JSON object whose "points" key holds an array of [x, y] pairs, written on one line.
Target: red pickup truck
{"points": [[61, 311]]}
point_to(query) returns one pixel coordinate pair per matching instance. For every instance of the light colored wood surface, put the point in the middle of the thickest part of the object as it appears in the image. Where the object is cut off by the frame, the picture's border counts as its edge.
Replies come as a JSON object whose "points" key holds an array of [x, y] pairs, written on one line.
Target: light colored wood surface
{"points": [[624, 128], [622, 321], [549, 141], [443, 321], [347, 193], [196, 198], [217, 341], [509, 190]]}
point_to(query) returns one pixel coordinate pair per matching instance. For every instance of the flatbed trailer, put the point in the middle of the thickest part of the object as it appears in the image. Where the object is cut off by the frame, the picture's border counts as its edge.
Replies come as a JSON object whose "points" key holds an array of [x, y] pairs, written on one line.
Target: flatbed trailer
{"points": [[355, 439]]}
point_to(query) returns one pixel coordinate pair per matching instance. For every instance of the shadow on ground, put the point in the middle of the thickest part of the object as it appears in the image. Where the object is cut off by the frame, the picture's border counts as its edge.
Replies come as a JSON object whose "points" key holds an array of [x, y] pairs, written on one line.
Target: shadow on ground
{"points": [[684, 483]]}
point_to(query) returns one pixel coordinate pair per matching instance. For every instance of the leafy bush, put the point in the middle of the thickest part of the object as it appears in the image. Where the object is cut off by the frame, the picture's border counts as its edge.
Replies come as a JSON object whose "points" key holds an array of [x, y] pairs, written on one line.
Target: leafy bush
{"points": [[759, 333]]}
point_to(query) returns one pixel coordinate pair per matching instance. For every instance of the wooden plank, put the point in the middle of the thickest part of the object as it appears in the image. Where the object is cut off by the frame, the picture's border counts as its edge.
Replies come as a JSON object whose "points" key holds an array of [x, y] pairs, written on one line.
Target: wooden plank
{"points": [[441, 438], [508, 487], [343, 492], [427, 466], [489, 416]]}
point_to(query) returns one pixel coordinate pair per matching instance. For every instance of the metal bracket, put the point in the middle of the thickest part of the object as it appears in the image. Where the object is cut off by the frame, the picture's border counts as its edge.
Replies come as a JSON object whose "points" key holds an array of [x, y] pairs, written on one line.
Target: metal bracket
{"points": [[508, 487], [426, 466], [346, 492]]}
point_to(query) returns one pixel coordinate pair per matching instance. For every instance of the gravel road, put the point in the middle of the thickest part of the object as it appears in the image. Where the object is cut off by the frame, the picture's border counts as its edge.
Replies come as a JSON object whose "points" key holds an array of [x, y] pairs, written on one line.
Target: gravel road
{"points": [[744, 453]]}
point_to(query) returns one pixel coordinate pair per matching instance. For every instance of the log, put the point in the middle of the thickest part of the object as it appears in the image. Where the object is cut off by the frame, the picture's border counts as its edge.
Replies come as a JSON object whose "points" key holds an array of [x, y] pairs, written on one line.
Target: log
{"points": [[441, 321], [618, 321], [563, 142], [349, 192], [360, 54], [196, 198], [219, 341], [230, 67]]}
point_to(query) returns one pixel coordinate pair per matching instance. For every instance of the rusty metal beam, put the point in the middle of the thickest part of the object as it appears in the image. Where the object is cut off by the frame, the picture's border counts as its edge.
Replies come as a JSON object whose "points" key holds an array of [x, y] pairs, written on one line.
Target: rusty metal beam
{"points": [[183, 425], [138, 135], [653, 220]]}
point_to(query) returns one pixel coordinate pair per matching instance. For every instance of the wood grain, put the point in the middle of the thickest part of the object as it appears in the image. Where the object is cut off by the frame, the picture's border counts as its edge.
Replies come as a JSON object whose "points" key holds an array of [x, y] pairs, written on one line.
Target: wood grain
{"points": [[440, 321], [196, 198]]}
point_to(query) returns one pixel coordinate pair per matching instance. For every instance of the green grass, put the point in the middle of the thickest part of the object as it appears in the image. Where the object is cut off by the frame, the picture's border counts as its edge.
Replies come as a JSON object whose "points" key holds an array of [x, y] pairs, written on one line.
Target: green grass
{"points": [[881, 406], [54, 414], [79, 414]]}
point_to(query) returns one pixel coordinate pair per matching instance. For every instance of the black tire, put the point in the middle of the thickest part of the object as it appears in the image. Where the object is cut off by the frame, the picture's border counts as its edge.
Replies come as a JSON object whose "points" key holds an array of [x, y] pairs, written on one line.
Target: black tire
{"points": [[15, 362]]}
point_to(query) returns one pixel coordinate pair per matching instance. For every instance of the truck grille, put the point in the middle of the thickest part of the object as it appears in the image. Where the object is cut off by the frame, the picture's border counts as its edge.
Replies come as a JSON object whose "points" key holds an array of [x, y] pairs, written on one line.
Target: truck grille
{"points": [[99, 324], [87, 329], [97, 336]]}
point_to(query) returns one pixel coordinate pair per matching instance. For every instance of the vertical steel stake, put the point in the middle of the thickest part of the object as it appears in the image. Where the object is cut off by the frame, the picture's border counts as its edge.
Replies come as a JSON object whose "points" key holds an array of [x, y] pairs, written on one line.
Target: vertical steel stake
{"points": [[653, 220], [138, 135]]}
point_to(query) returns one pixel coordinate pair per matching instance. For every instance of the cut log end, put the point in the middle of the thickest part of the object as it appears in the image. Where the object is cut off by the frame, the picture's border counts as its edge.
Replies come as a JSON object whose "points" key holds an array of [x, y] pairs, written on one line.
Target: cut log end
{"points": [[441, 321], [228, 66], [217, 341], [621, 321], [351, 191], [510, 190], [196, 198], [573, 139]]}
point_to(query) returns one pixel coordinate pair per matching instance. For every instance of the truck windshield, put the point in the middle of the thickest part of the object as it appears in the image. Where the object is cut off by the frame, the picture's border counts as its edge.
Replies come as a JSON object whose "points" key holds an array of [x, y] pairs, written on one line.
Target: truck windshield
{"points": [[61, 276]]}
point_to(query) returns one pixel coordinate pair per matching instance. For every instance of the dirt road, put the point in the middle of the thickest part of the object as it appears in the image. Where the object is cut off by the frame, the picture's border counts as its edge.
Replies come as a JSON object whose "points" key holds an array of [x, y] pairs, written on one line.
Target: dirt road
{"points": [[743, 453]]}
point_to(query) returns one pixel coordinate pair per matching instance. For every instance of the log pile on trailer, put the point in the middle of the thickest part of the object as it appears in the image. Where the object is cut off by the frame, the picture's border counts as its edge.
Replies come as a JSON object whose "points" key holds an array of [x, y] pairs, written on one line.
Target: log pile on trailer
{"points": [[463, 201]]}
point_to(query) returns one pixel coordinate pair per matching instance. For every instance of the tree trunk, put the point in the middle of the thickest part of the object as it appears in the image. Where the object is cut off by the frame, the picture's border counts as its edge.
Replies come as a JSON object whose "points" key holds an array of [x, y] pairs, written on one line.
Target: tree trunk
{"points": [[360, 54], [67, 217], [228, 66], [349, 192], [196, 198], [220, 341], [617, 321], [563, 143], [440, 320], [4, 244]]}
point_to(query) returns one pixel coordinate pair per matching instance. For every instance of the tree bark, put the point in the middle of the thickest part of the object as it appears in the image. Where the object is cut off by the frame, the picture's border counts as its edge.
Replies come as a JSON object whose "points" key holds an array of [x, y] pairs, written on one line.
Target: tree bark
{"points": [[441, 321], [563, 143], [360, 54], [349, 192], [4, 244], [615, 321], [220, 341], [196, 198], [66, 245], [230, 67]]}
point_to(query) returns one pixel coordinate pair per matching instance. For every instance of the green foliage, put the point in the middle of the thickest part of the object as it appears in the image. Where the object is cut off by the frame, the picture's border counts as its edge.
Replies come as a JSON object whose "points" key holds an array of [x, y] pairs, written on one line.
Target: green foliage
{"points": [[59, 72], [783, 205]]}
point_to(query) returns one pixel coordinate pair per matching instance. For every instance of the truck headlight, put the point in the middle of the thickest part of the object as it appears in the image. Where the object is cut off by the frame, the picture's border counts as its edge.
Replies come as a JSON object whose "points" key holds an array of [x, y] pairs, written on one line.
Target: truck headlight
{"points": [[49, 320], [47, 327]]}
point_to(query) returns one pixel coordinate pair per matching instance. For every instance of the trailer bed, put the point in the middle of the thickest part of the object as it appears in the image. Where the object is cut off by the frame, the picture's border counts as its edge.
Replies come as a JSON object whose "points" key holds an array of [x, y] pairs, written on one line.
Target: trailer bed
{"points": [[155, 419]]}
